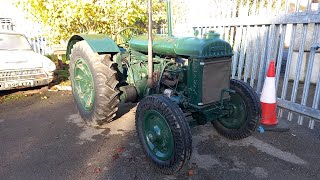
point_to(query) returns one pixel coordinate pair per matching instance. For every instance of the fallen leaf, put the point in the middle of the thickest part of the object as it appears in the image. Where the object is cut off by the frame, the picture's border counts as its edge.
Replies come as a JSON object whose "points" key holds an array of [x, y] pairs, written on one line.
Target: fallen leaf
{"points": [[116, 156], [97, 170], [44, 97], [191, 172], [120, 150]]}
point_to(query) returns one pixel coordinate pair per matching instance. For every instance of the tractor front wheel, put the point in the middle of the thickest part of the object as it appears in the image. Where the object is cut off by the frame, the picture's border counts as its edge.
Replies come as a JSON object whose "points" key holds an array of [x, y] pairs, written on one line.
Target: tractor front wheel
{"points": [[164, 133], [244, 112]]}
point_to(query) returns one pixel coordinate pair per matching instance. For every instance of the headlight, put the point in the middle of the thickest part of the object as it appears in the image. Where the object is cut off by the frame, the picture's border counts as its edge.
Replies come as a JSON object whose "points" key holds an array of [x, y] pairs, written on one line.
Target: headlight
{"points": [[49, 66]]}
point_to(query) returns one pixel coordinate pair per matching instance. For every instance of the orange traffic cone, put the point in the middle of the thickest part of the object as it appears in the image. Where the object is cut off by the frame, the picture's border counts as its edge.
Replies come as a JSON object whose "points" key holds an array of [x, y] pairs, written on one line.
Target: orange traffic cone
{"points": [[268, 103]]}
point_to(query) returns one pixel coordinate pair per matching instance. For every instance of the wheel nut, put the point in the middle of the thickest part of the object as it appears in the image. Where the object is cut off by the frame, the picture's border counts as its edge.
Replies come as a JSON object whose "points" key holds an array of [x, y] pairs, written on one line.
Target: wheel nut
{"points": [[150, 137]]}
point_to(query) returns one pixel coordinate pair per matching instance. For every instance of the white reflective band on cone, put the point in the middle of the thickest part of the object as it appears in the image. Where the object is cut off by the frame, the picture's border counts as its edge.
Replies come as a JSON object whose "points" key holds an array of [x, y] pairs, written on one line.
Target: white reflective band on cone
{"points": [[268, 94]]}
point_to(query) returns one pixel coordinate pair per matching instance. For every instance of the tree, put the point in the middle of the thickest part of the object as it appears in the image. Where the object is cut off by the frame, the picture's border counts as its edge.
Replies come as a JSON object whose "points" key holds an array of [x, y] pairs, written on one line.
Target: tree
{"points": [[61, 19]]}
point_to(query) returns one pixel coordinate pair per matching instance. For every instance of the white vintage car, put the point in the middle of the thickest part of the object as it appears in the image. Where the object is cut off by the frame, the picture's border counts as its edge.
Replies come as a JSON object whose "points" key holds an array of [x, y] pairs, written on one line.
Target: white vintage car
{"points": [[20, 66]]}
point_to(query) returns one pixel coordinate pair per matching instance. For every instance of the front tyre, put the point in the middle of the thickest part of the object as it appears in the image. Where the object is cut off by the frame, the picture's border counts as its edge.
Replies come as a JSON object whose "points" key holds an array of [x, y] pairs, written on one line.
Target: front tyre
{"points": [[93, 84], [244, 112], [164, 133]]}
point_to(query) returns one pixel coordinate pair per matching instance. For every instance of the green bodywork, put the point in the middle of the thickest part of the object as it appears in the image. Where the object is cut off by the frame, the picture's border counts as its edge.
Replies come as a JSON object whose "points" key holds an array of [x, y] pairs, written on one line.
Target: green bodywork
{"points": [[189, 46], [99, 43], [194, 81], [178, 68]]}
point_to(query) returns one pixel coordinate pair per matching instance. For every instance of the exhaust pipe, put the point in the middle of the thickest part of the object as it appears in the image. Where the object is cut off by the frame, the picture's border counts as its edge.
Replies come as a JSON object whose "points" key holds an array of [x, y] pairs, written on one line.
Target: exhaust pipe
{"points": [[169, 18], [150, 82]]}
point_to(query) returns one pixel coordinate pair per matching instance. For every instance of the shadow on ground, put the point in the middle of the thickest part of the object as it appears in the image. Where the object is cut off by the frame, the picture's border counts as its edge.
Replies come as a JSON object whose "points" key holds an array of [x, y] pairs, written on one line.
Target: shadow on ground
{"points": [[47, 139]]}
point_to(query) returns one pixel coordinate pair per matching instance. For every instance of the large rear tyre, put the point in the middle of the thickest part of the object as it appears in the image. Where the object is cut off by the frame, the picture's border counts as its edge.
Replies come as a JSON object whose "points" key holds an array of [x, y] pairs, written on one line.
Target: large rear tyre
{"points": [[93, 82], [244, 112], [164, 133]]}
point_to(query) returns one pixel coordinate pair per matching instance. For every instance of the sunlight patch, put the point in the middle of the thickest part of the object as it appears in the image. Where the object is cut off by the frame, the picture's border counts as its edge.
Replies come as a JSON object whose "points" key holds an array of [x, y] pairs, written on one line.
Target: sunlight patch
{"points": [[259, 172], [266, 148], [87, 133]]}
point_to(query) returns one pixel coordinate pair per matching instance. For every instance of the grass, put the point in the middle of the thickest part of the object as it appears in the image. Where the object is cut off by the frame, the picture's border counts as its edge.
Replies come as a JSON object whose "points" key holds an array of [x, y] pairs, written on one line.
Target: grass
{"points": [[11, 97], [15, 94]]}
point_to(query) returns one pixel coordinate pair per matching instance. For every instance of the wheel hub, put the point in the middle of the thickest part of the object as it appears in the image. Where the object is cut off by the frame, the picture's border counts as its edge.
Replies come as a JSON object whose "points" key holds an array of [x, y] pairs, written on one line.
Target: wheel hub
{"points": [[235, 112], [158, 135], [83, 84]]}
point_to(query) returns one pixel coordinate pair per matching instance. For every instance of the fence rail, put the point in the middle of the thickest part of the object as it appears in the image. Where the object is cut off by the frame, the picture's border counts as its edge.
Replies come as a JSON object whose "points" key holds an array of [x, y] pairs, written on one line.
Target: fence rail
{"points": [[6, 24], [284, 31]]}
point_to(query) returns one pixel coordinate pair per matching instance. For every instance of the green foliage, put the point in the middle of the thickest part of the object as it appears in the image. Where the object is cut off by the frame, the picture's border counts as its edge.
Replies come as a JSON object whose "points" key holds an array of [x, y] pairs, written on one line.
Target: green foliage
{"points": [[61, 75], [63, 18], [54, 58]]}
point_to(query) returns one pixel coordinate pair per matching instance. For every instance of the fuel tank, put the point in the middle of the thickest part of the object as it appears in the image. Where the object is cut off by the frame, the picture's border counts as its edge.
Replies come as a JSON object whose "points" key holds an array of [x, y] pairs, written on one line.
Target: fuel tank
{"points": [[208, 47]]}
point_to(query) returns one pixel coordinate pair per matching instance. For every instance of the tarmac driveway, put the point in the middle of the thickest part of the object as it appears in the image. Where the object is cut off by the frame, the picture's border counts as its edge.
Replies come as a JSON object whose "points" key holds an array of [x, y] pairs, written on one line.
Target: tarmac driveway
{"points": [[46, 139]]}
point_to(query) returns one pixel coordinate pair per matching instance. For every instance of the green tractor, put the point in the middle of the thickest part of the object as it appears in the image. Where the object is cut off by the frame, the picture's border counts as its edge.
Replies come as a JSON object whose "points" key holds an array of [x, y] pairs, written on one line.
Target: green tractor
{"points": [[184, 82]]}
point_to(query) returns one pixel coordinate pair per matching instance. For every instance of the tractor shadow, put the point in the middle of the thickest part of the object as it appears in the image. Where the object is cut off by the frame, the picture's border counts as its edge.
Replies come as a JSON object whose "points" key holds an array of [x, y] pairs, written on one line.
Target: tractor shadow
{"points": [[123, 109]]}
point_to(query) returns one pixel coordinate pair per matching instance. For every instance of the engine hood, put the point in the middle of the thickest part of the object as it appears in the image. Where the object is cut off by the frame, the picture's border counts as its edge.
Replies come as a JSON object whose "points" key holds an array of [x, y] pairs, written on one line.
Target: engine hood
{"points": [[21, 59], [187, 46]]}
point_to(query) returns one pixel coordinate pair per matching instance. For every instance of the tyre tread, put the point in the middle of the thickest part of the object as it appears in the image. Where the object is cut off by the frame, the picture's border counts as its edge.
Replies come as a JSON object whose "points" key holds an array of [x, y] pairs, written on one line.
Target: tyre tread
{"points": [[106, 94], [179, 127], [254, 112]]}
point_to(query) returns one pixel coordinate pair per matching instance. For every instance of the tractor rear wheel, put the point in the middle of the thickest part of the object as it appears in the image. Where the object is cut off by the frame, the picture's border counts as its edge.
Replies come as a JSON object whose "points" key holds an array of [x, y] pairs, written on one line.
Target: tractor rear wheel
{"points": [[164, 133], [93, 82], [244, 112]]}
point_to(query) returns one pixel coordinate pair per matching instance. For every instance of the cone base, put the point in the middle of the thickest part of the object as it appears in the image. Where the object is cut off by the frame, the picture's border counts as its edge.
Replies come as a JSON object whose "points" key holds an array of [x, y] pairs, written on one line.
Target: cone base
{"points": [[282, 126]]}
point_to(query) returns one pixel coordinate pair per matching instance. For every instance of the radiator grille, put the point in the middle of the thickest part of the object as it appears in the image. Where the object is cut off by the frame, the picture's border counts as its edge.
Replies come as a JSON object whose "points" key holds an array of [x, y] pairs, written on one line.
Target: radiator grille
{"points": [[216, 77]]}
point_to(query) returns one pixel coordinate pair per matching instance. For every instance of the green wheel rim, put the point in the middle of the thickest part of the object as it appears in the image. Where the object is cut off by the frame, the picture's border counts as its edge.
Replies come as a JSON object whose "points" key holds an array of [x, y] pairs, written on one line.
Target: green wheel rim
{"points": [[237, 112], [83, 84], [158, 135]]}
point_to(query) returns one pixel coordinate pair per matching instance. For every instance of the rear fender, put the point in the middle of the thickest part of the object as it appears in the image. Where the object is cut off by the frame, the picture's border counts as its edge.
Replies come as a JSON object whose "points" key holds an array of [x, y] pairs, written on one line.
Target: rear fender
{"points": [[99, 43]]}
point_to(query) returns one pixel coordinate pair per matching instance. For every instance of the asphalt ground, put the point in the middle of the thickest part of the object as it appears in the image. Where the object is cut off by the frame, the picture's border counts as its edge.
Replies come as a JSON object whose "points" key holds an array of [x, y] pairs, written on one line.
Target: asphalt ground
{"points": [[45, 138]]}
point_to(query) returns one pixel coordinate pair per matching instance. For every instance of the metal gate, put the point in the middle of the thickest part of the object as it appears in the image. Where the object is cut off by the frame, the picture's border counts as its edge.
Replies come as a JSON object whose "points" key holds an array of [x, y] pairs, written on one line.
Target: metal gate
{"points": [[35, 38], [6, 24], [282, 30]]}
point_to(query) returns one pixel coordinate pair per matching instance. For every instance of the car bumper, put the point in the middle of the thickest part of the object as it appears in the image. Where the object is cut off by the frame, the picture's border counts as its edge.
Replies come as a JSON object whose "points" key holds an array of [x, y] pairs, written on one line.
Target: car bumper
{"points": [[22, 78]]}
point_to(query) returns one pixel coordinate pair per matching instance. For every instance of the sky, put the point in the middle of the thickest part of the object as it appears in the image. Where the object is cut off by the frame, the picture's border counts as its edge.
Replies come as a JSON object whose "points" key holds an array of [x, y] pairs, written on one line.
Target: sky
{"points": [[9, 10]]}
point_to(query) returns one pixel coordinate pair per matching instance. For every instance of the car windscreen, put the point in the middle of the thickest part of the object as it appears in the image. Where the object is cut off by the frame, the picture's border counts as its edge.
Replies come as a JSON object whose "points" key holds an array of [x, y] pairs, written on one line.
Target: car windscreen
{"points": [[14, 42]]}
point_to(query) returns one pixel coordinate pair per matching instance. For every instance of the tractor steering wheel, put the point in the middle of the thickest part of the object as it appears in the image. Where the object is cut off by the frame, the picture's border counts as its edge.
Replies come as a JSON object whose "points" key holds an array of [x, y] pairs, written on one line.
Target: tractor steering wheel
{"points": [[125, 35]]}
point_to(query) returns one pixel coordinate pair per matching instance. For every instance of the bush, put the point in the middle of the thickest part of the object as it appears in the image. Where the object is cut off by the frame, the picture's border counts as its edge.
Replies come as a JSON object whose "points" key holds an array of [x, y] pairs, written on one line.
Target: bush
{"points": [[55, 58], [61, 75]]}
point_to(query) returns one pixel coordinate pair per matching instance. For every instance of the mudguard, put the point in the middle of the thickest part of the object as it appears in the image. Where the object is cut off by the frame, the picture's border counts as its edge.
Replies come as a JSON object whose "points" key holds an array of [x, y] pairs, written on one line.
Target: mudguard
{"points": [[99, 43]]}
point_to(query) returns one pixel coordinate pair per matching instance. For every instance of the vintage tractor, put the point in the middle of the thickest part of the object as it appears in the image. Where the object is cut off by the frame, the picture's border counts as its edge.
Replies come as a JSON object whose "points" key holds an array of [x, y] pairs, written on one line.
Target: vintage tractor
{"points": [[186, 83]]}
